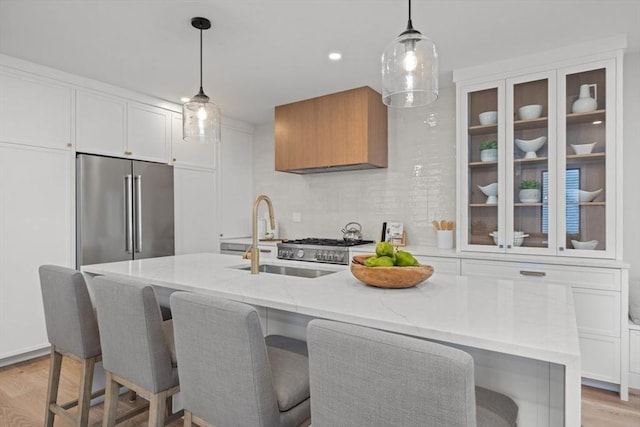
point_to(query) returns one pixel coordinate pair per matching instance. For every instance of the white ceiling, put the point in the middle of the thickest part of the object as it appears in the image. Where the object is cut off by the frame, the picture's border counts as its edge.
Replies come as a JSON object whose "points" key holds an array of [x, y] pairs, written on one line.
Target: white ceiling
{"points": [[262, 53]]}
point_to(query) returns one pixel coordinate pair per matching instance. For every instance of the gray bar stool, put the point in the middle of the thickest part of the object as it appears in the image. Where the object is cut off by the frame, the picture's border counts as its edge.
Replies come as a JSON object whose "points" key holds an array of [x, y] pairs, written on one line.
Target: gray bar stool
{"points": [[366, 377], [137, 347], [231, 375], [72, 330]]}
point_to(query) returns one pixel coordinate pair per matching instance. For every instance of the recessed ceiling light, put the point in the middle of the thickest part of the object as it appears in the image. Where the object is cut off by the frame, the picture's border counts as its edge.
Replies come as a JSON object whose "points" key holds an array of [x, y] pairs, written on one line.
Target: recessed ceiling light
{"points": [[335, 56], [185, 99]]}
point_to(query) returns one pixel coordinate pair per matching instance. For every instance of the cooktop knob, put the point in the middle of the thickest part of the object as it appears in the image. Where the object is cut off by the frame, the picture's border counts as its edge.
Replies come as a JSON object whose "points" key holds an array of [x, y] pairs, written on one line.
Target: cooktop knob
{"points": [[300, 253]]}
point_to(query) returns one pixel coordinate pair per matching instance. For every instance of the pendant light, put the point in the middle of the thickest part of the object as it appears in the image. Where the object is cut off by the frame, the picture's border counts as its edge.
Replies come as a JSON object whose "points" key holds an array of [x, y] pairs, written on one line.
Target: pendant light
{"points": [[410, 70], [200, 116]]}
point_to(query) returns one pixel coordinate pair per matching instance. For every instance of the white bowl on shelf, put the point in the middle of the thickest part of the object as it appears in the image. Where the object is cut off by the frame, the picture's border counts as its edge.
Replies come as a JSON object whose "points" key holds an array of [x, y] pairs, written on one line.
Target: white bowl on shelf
{"points": [[583, 148], [488, 118], [588, 196], [530, 146], [530, 112], [589, 245], [518, 237], [491, 191]]}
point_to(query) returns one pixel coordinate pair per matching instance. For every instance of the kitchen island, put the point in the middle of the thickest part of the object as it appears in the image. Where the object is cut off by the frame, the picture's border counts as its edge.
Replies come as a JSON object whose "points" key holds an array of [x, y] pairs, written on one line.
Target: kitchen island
{"points": [[522, 335]]}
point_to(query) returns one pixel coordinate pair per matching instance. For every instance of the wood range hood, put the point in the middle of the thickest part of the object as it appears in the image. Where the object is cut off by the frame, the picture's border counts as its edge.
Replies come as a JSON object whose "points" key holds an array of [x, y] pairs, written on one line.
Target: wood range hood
{"points": [[338, 132]]}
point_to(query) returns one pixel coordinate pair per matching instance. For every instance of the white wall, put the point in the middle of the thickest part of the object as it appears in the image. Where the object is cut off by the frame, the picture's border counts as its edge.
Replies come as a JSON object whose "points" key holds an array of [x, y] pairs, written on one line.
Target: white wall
{"points": [[631, 164], [417, 187]]}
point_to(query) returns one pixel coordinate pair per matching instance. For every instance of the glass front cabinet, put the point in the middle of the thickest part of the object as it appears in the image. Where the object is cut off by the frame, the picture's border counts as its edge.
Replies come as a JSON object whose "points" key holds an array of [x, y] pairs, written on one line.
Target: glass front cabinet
{"points": [[537, 162]]}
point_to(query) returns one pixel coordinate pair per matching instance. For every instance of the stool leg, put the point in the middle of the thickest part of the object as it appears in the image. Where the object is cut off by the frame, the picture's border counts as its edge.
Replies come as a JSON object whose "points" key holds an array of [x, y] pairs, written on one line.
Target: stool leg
{"points": [[54, 382], [188, 420], [84, 400], [157, 409], [110, 402]]}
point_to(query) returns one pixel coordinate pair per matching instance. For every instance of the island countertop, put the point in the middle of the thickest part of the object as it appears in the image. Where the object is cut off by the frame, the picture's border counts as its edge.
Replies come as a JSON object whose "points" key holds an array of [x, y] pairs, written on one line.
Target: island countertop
{"points": [[520, 318]]}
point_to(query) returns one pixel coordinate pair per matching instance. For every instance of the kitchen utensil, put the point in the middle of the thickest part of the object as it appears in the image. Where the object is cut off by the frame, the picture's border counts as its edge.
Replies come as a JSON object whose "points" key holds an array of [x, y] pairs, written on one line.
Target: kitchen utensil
{"points": [[583, 148], [352, 232], [529, 112], [488, 118], [389, 277], [530, 146], [585, 103], [435, 224], [589, 245]]}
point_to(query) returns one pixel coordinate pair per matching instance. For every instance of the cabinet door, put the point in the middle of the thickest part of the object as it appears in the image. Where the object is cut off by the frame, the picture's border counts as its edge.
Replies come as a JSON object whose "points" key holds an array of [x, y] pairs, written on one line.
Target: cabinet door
{"points": [[196, 227], [188, 153], [481, 149], [587, 167], [148, 131], [531, 182], [236, 182], [100, 124], [35, 229], [34, 111]]}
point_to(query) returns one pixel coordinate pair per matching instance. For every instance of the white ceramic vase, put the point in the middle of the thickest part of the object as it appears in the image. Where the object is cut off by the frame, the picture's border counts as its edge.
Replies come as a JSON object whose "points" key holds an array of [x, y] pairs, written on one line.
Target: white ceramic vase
{"points": [[585, 103]]}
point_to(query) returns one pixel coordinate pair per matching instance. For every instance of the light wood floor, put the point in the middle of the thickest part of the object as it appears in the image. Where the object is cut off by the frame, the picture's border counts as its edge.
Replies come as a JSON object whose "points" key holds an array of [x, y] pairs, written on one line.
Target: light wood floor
{"points": [[23, 389]]}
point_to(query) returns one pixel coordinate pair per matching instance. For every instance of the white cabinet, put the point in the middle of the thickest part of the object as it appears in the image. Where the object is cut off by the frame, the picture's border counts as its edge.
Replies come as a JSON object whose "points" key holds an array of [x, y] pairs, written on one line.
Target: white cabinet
{"points": [[148, 132], [35, 229], [236, 181], [196, 227], [597, 294], [189, 154], [113, 126], [34, 111], [100, 124], [549, 190]]}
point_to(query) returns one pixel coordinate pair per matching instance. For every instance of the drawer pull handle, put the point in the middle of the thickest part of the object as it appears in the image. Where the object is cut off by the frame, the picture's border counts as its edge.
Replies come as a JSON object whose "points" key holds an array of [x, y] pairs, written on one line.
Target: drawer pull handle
{"points": [[265, 251], [533, 273]]}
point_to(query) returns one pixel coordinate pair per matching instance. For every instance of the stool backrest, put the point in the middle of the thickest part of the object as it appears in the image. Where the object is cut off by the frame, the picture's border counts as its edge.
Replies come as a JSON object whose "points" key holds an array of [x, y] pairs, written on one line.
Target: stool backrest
{"points": [[225, 376], [133, 342], [363, 376], [71, 322]]}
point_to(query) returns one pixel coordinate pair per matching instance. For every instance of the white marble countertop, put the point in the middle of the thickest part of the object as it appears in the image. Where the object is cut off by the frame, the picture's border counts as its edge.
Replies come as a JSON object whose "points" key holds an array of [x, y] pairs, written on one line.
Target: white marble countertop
{"points": [[532, 320]]}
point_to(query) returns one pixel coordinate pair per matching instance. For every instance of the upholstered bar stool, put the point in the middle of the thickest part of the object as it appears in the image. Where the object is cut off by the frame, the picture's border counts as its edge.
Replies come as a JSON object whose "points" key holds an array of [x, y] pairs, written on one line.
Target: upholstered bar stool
{"points": [[366, 377], [72, 330], [137, 347], [230, 375]]}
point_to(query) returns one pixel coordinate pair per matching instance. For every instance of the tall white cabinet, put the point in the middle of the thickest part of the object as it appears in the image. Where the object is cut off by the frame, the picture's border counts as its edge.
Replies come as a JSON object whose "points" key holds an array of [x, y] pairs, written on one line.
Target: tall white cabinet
{"points": [[547, 205]]}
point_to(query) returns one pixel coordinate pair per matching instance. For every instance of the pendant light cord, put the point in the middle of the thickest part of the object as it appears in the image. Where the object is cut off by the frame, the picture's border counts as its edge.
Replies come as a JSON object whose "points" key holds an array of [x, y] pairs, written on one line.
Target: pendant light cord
{"points": [[201, 91], [409, 23]]}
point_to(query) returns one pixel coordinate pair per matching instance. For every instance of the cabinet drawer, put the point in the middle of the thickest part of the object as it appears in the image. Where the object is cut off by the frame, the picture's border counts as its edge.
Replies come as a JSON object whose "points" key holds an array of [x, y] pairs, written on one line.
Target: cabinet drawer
{"points": [[597, 312], [634, 351], [441, 265], [268, 251], [600, 358], [583, 277]]}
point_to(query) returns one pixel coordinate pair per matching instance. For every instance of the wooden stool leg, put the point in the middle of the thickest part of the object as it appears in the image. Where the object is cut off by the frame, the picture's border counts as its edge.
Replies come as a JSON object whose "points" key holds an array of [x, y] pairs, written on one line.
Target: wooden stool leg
{"points": [[157, 409], [187, 419], [110, 402], [54, 382], [84, 399]]}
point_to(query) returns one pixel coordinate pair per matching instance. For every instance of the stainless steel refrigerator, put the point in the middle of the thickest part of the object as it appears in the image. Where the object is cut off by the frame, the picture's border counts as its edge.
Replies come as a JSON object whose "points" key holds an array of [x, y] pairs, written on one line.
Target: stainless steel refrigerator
{"points": [[124, 209]]}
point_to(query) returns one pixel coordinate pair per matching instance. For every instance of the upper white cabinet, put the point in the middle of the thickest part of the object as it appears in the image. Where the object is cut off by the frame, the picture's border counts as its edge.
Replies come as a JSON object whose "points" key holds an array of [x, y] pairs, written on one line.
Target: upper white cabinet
{"points": [[100, 124], [189, 154], [34, 111], [538, 161], [116, 127]]}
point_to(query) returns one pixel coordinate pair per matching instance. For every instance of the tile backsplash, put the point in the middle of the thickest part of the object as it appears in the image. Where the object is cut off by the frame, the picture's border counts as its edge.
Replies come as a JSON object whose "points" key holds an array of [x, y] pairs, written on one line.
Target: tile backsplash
{"points": [[418, 186]]}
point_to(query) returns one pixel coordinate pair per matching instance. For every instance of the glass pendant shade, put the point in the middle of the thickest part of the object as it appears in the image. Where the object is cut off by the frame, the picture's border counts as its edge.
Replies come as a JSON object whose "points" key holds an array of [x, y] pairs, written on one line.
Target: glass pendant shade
{"points": [[200, 120], [410, 71]]}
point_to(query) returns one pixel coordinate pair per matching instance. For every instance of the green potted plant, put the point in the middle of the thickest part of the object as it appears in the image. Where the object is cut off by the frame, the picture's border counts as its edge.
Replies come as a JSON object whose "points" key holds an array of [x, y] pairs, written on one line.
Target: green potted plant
{"points": [[489, 151], [529, 191]]}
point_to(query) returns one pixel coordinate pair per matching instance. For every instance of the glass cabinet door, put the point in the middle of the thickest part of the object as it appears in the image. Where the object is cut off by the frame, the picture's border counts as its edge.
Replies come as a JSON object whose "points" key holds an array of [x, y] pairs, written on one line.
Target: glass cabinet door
{"points": [[531, 192], [587, 131], [484, 144]]}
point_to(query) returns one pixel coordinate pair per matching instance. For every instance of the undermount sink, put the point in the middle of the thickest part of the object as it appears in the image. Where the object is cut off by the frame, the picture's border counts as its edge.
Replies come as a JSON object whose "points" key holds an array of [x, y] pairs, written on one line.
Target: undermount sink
{"points": [[288, 270]]}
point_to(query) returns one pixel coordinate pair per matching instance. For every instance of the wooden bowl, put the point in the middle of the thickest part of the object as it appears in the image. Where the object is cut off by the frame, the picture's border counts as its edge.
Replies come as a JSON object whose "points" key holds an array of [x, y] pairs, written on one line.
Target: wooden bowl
{"points": [[389, 277]]}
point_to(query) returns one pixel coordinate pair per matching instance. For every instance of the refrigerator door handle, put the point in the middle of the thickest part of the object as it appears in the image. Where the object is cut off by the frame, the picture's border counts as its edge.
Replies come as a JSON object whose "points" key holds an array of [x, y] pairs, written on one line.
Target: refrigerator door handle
{"points": [[138, 211], [128, 214]]}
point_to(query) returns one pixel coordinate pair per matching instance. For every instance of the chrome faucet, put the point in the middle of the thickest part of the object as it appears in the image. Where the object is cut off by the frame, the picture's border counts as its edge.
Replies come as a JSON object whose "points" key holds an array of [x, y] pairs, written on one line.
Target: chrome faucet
{"points": [[255, 261]]}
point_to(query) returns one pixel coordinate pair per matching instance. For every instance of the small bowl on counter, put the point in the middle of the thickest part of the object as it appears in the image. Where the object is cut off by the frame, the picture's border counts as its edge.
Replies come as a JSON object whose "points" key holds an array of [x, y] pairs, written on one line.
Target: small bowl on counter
{"points": [[530, 112], [389, 277], [488, 118], [583, 148], [588, 245]]}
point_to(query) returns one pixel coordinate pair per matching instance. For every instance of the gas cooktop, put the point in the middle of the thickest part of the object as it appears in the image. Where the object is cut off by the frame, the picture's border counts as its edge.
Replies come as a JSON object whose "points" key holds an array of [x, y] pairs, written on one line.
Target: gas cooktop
{"points": [[332, 251]]}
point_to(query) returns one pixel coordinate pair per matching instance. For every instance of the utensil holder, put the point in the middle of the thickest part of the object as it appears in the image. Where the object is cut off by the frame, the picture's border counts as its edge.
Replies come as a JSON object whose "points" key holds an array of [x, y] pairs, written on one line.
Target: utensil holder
{"points": [[445, 239]]}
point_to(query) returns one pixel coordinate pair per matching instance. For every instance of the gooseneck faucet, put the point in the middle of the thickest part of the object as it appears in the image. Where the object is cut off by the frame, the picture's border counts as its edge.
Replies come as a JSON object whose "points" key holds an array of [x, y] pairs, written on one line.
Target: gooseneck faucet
{"points": [[255, 261]]}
